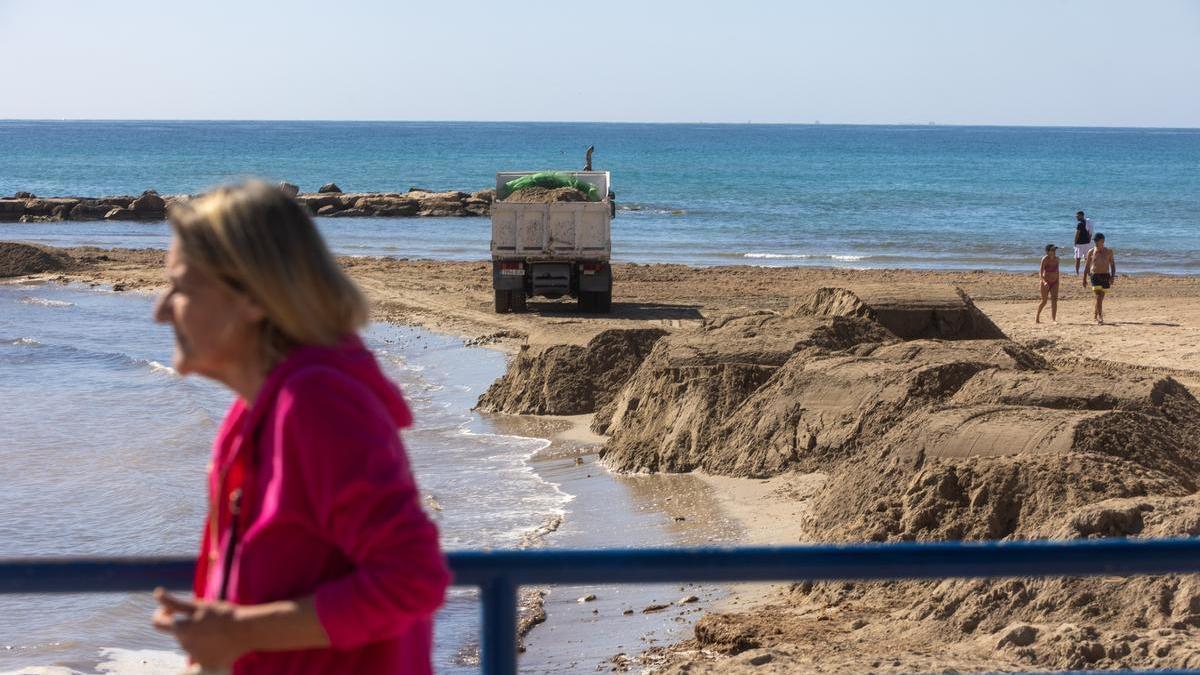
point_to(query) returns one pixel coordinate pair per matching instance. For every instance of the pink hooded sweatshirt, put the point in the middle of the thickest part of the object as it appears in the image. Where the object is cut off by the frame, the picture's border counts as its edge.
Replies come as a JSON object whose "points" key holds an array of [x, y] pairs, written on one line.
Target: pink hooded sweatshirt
{"points": [[326, 505]]}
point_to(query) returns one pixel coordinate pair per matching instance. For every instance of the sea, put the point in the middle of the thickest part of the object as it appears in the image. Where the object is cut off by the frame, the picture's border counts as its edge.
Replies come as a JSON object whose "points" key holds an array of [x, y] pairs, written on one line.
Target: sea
{"points": [[103, 446], [104, 451], [926, 196]]}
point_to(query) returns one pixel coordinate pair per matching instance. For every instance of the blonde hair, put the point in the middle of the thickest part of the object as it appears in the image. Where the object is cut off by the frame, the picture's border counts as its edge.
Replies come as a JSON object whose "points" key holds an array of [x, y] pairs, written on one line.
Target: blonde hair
{"points": [[261, 242]]}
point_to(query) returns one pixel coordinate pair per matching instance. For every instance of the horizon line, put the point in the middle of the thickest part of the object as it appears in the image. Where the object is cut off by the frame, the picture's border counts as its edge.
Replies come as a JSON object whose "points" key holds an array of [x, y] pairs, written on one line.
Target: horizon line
{"points": [[814, 123]]}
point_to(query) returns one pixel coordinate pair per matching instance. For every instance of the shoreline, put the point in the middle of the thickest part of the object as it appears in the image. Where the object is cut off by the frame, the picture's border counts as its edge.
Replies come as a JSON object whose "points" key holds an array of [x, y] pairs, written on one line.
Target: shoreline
{"points": [[611, 629]]}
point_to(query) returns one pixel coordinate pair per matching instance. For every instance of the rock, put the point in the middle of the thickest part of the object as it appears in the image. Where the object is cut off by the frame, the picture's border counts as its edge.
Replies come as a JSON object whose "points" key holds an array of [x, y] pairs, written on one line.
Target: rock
{"points": [[118, 213], [122, 202], [442, 210], [24, 195], [315, 202], [88, 211], [857, 623], [348, 213], [39, 207], [587, 598], [387, 205], [148, 204], [11, 209], [399, 209], [627, 612], [687, 600], [329, 188], [327, 210], [120, 286], [650, 609], [1017, 635], [289, 189], [477, 207]]}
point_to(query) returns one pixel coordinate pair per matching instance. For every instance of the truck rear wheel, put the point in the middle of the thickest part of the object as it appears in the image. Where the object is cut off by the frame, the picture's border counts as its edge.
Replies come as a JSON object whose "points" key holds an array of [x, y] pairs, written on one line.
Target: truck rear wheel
{"points": [[602, 303], [595, 302], [516, 300], [502, 304]]}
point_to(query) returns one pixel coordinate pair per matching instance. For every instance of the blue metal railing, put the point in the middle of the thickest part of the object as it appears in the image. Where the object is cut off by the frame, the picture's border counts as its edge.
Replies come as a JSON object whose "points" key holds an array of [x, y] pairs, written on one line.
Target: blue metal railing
{"points": [[499, 574]]}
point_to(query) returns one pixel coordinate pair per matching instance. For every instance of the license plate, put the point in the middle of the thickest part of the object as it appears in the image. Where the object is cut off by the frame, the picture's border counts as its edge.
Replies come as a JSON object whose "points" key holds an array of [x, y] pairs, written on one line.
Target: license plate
{"points": [[512, 273]]}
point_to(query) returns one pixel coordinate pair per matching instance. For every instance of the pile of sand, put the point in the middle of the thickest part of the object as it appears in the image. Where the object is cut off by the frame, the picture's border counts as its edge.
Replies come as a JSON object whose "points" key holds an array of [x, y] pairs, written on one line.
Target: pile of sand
{"points": [[21, 259], [541, 195], [909, 311], [930, 426], [762, 393], [569, 379], [678, 409], [934, 439]]}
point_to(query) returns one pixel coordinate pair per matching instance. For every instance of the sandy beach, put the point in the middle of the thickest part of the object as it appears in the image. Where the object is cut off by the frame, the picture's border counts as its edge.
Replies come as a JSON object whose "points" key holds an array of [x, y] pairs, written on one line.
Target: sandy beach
{"points": [[834, 405]]}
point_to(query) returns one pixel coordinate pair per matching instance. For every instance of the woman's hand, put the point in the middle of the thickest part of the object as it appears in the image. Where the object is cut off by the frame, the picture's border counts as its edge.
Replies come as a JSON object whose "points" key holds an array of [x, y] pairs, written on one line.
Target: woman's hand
{"points": [[207, 631]]}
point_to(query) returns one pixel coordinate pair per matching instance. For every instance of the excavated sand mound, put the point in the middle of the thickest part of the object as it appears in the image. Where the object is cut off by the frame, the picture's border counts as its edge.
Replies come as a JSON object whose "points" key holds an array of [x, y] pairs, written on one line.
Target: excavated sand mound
{"points": [[21, 259], [748, 418], [1064, 454], [674, 410], [569, 379], [909, 312], [952, 432]]}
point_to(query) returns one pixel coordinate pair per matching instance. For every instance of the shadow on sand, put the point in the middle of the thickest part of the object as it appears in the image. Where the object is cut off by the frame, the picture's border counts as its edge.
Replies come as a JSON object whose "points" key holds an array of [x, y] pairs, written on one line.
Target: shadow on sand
{"points": [[632, 311]]}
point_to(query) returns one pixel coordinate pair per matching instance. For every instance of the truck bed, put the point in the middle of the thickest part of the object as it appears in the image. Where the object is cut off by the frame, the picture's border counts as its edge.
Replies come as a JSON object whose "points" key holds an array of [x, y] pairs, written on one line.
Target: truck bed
{"points": [[558, 231]]}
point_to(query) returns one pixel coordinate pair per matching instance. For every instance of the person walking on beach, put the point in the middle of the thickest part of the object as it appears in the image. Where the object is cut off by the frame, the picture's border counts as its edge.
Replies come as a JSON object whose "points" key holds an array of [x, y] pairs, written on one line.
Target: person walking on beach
{"points": [[316, 556], [1083, 238], [1102, 266], [1048, 274]]}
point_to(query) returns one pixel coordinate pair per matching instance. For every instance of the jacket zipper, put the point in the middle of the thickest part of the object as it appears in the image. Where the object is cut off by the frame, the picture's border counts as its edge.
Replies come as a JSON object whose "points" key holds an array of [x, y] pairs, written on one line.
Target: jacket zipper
{"points": [[235, 509]]}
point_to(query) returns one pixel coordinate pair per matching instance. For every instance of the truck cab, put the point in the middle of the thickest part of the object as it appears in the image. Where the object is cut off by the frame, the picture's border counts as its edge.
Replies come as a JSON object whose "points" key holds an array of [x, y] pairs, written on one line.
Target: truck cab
{"points": [[553, 250]]}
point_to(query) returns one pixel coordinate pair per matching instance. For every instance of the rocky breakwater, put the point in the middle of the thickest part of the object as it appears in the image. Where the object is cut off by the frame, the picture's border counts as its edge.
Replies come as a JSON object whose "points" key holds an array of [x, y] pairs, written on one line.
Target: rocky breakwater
{"points": [[927, 424], [330, 202]]}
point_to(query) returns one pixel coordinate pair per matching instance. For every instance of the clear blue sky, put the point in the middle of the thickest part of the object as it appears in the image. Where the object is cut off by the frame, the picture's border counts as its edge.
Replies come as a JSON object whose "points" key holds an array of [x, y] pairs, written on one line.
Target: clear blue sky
{"points": [[1085, 62]]}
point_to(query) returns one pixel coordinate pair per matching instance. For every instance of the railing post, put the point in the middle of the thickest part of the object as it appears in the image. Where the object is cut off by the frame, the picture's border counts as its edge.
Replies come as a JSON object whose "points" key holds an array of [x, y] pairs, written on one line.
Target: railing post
{"points": [[498, 639]]}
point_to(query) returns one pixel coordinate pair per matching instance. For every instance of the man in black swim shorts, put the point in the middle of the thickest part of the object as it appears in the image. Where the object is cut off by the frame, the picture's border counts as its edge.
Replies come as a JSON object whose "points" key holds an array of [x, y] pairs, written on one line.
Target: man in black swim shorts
{"points": [[1101, 270]]}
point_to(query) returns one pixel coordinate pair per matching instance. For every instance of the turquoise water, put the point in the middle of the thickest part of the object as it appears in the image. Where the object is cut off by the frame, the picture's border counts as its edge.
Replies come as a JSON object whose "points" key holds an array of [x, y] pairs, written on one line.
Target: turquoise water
{"points": [[857, 196]]}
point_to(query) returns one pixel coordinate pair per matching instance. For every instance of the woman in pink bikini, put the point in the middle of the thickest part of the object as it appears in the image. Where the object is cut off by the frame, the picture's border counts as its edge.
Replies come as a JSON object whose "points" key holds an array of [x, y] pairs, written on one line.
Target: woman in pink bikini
{"points": [[1049, 276]]}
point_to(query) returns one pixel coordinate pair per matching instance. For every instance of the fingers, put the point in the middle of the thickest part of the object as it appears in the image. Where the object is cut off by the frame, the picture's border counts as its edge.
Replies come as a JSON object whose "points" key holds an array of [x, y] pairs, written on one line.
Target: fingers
{"points": [[173, 604], [164, 621]]}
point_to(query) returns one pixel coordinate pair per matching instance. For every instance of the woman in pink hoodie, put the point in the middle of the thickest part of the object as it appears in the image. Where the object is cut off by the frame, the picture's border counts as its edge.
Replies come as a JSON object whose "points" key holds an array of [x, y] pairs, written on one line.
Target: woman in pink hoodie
{"points": [[316, 557]]}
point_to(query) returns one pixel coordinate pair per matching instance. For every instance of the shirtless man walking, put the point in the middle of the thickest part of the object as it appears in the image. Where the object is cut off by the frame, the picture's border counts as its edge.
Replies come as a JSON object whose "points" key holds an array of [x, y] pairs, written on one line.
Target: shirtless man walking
{"points": [[1101, 268]]}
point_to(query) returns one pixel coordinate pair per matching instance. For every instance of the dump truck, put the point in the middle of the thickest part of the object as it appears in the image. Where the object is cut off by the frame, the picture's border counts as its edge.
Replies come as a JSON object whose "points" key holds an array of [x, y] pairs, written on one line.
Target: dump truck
{"points": [[553, 250]]}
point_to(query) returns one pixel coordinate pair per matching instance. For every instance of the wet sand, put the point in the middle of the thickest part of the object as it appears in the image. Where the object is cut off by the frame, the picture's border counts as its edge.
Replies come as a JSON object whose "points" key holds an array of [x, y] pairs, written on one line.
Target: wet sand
{"points": [[615, 511]]}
